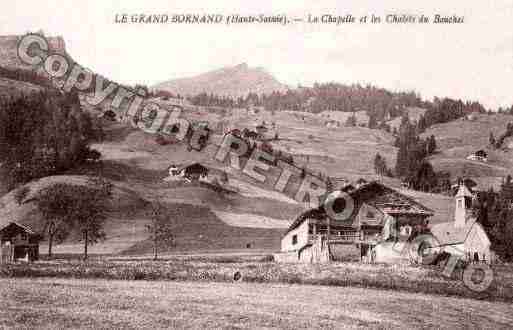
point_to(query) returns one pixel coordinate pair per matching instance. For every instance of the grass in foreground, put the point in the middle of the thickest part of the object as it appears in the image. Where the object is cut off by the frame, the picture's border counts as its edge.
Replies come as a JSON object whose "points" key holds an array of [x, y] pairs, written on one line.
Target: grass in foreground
{"points": [[222, 269], [101, 304]]}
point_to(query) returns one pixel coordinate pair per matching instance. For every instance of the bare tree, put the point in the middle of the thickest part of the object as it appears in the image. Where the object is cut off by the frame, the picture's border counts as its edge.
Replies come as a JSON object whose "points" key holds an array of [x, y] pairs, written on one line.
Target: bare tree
{"points": [[160, 228]]}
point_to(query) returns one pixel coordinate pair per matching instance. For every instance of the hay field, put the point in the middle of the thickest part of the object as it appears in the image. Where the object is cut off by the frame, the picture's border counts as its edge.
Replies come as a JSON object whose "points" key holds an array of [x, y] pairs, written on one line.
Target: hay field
{"points": [[101, 304]]}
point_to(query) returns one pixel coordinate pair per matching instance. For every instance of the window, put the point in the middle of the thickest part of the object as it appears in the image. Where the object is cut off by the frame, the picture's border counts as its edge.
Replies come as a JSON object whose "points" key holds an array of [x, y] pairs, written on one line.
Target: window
{"points": [[370, 215], [294, 239], [460, 203]]}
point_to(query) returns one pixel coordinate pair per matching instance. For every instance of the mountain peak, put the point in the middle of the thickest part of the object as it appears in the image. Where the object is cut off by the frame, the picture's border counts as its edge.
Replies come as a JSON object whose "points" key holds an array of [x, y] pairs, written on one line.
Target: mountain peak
{"points": [[242, 66], [235, 81]]}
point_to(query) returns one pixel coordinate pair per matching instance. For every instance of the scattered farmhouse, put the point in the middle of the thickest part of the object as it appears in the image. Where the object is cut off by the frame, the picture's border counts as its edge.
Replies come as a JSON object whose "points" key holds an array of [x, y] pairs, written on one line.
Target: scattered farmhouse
{"points": [[18, 242], [261, 130], [109, 115], [479, 155], [368, 234], [463, 236], [332, 124], [189, 172], [472, 116], [251, 135]]}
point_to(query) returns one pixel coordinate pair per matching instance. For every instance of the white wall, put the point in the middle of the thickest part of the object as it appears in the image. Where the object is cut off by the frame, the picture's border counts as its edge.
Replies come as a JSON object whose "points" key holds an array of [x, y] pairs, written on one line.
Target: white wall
{"points": [[302, 238]]}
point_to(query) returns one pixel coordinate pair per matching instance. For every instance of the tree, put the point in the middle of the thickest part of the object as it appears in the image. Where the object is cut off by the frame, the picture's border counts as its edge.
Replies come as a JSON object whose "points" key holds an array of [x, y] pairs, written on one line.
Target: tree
{"points": [[426, 178], [330, 186], [161, 228], [20, 194], [90, 210], [491, 139], [55, 204], [401, 165], [351, 120], [373, 122], [431, 145], [42, 133], [494, 212], [380, 166], [223, 178], [506, 192]]}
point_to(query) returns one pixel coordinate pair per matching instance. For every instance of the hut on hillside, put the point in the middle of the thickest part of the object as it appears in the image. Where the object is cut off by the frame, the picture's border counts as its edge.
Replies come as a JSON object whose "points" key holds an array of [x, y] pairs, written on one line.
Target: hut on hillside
{"points": [[18, 242], [189, 172], [194, 171], [479, 155]]}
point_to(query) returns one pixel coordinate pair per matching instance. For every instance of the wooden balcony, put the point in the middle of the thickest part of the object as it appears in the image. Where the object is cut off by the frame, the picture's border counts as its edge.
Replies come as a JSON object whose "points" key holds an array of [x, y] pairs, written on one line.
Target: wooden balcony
{"points": [[345, 237]]}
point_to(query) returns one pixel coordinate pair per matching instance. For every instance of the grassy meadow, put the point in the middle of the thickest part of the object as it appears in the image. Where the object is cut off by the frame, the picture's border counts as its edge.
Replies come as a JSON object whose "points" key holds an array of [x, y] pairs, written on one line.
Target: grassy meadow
{"points": [[261, 269], [49, 303]]}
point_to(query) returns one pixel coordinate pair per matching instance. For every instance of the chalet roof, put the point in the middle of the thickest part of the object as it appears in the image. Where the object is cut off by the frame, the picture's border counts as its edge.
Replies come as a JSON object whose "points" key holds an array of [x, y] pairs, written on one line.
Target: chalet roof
{"points": [[193, 167], [446, 233], [376, 194], [12, 223]]}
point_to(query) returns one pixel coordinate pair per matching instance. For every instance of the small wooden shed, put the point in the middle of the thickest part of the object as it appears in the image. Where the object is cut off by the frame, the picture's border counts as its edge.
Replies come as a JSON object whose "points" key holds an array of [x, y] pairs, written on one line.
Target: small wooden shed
{"points": [[18, 242], [194, 171]]}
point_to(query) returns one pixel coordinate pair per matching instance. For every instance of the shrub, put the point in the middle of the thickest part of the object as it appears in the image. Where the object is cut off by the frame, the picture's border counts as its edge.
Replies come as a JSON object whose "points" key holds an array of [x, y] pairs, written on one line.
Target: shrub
{"points": [[20, 194]]}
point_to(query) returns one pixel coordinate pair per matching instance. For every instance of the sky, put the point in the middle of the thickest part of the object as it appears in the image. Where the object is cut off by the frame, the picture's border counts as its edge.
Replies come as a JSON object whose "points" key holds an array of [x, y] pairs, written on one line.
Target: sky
{"points": [[471, 61]]}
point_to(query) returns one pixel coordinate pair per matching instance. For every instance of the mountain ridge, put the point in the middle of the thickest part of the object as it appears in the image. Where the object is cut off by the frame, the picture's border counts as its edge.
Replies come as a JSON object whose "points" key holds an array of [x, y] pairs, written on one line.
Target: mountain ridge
{"points": [[233, 81]]}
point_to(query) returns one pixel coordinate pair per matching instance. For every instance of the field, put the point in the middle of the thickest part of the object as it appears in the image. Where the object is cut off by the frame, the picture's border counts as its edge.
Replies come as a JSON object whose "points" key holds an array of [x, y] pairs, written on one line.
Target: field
{"points": [[102, 304], [258, 268]]}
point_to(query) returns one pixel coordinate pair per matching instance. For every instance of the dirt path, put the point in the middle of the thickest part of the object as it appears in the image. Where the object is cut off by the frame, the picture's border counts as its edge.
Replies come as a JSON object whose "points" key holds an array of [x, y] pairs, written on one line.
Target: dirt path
{"points": [[59, 303]]}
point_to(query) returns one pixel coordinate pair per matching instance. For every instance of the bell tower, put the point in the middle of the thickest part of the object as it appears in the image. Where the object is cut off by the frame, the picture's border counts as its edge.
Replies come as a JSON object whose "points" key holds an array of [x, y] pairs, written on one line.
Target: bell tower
{"points": [[463, 204]]}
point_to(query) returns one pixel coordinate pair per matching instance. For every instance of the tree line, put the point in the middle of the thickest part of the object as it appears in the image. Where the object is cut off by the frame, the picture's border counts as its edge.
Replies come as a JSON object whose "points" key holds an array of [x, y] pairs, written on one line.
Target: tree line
{"points": [[380, 104], [43, 133], [495, 213], [411, 162]]}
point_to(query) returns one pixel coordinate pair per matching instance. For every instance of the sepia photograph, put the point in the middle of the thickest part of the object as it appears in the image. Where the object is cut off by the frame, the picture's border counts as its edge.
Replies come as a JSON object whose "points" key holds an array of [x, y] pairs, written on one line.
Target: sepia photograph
{"points": [[256, 164]]}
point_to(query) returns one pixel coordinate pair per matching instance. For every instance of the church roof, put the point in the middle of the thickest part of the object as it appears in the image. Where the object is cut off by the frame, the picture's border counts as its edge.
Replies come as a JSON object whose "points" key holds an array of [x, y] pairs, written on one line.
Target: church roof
{"points": [[446, 233], [463, 191]]}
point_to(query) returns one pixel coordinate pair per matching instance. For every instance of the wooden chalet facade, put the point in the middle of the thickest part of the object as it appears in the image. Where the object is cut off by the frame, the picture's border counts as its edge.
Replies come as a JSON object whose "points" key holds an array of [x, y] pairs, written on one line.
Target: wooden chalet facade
{"points": [[18, 242], [380, 215]]}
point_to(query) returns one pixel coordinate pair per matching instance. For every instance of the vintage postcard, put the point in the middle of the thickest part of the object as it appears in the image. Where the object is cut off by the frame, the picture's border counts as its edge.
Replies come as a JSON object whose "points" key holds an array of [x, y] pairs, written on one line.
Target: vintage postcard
{"points": [[256, 164]]}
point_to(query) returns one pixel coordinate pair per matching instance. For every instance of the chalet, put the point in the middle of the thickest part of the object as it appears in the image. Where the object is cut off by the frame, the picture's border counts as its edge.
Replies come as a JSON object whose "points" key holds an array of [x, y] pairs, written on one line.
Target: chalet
{"points": [[18, 242], [189, 172], [378, 211], [261, 129], [464, 236], [479, 155], [472, 116], [252, 135], [109, 115], [332, 124]]}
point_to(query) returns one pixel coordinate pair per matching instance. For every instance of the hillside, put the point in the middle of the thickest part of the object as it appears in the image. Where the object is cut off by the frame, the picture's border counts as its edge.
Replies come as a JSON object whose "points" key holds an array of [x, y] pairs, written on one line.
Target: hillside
{"points": [[14, 88], [414, 114], [231, 81], [458, 139], [9, 56], [254, 216]]}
